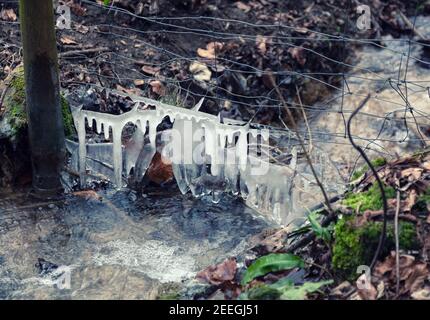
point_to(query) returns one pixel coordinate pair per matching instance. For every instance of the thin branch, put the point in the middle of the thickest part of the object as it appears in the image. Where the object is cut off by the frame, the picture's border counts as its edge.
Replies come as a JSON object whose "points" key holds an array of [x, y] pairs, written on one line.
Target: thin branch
{"points": [[378, 180], [396, 235]]}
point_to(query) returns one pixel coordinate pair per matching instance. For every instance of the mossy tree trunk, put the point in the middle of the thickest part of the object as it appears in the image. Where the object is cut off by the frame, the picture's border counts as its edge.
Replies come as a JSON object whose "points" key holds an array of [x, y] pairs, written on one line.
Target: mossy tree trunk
{"points": [[43, 106]]}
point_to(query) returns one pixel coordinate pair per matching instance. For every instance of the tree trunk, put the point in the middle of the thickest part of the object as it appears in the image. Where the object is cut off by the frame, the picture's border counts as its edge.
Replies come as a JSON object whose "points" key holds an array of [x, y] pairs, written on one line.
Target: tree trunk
{"points": [[45, 121]]}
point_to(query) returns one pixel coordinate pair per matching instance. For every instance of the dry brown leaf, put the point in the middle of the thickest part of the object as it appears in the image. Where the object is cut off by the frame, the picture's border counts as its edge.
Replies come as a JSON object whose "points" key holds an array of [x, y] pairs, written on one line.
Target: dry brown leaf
{"points": [[414, 173], [212, 49], [412, 273], [410, 201], [158, 87], [220, 273], [8, 15], [298, 54], [302, 30], [160, 170], [200, 71], [81, 28], [153, 71], [261, 43], [139, 82], [77, 8], [423, 294], [88, 195], [134, 91], [242, 6], [67, 40], [416, 277], [426, 165]]}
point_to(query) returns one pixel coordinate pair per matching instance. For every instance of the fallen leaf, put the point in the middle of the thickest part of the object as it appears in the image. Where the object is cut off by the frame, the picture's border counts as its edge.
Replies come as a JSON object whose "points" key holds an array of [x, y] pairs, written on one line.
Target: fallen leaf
{"points": [[269, 243], [423, 294], [298, 54], [212, 49], [160, 170], [261, 43], [77, 9], [67, 40], [217, 274], [158, 87], [410, 201], [412, 173], [200, 71], [139, 82], [242, 6], [8, 15], [133, 91], [426, 165], [416, 277], [81, 28], [88, 195], [343, 290], [153, 71], [413, 274]]}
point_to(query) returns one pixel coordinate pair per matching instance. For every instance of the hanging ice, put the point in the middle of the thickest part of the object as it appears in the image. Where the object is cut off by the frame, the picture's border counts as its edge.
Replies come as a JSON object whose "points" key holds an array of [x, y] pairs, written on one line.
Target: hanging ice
{"points": [[208, 157]]}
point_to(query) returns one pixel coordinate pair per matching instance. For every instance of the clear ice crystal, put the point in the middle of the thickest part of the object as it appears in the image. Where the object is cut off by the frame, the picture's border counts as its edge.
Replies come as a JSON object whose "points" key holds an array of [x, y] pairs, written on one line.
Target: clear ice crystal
{"points": [[208, 157]]}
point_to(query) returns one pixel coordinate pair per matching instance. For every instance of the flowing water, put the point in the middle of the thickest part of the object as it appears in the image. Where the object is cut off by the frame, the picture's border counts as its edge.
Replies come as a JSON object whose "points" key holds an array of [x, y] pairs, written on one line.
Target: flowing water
{"points": [[117, 246]]}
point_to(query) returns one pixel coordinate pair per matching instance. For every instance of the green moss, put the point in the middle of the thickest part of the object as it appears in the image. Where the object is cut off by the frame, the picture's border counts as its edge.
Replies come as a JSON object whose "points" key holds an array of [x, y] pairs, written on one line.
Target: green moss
{"points": [[369, 200], [355, 246], [15, 105], [69, 126], [376, 163]]}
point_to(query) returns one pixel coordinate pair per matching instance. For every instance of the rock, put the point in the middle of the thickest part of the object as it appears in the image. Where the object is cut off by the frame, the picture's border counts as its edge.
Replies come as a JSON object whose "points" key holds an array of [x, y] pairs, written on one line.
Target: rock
{"points": [[45, 267]]}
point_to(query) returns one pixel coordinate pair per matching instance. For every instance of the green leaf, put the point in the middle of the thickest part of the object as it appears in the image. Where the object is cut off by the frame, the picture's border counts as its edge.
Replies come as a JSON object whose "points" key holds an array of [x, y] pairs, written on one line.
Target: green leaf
{"points": [[261, 292], [300, 292], [271, 263], [320, 232], [106, 2]]}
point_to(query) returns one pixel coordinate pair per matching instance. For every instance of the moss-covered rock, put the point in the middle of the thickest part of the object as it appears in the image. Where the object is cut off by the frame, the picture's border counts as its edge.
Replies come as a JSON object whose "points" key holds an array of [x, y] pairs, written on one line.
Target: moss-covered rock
{"points": [[368, 200], [355, 246], [14, 118]]}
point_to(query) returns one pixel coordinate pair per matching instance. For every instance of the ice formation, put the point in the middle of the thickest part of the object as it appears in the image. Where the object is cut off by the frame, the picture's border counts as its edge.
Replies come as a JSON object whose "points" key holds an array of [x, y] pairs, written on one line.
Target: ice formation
{"points": [[209, 156]]}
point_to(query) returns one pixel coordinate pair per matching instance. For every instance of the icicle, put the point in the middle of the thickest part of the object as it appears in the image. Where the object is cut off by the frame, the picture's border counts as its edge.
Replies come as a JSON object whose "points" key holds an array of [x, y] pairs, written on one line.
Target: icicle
{"points": [[227, 165], [82, 150], [117, 156]]}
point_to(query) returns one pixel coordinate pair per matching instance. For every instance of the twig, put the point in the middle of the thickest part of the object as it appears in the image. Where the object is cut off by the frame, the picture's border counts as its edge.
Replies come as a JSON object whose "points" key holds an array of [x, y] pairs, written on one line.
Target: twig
{"points": [[302, 144], [378, 180], [396, 235], [412, 27], [305, 118], [83, 51]]}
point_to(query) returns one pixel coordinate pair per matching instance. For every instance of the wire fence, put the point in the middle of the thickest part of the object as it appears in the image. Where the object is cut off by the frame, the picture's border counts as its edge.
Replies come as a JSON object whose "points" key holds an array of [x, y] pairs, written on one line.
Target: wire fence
{"points": [[322, 76]]}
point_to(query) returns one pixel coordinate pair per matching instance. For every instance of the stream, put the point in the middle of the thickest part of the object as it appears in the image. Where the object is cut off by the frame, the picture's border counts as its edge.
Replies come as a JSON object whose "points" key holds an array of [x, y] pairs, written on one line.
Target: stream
{"points": [[120, 245]]}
